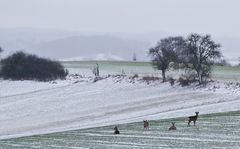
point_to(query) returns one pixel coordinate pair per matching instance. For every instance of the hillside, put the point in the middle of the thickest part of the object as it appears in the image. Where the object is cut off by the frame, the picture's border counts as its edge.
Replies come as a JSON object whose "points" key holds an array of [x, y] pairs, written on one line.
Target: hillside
{"points": [[78, 103]]}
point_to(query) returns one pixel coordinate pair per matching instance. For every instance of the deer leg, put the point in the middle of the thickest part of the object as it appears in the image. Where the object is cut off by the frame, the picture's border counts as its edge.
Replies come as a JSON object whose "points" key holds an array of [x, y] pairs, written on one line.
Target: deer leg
{"points": [[194, 122], [189, 122]]}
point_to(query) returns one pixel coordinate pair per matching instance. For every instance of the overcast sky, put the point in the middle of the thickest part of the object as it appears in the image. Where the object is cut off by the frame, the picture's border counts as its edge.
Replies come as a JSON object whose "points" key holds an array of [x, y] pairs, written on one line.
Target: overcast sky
{"points": [[217, 17]]}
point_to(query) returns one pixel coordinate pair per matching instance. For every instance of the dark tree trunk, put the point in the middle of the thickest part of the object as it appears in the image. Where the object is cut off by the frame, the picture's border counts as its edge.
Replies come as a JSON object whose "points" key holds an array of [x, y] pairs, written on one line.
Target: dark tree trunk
{"points": [[164, 75], [200, 77]]}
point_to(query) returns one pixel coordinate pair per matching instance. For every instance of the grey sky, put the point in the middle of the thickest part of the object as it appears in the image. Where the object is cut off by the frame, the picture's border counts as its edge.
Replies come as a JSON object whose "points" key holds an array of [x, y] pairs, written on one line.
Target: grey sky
{"points": [[217, 17]]}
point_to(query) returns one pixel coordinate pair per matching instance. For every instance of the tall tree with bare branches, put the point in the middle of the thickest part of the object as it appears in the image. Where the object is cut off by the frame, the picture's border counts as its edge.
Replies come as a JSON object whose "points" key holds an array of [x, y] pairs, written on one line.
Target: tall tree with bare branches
{"points": [[199, 55], [165, 52]]}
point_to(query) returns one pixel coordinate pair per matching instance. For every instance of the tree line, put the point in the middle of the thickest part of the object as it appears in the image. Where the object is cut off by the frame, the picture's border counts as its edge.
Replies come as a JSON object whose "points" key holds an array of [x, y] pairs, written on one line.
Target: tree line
{"points": [[196, 54]]}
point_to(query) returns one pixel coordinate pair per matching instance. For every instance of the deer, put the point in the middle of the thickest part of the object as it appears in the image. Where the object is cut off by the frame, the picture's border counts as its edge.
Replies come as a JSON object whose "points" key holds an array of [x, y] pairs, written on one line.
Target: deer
{"points": [[193, 118], [116, 131], [173, 127], [145, 124]]}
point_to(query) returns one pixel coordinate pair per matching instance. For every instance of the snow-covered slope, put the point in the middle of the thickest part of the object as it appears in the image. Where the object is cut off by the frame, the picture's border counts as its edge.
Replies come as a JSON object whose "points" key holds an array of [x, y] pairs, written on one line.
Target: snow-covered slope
{"points": [[78, 103]]}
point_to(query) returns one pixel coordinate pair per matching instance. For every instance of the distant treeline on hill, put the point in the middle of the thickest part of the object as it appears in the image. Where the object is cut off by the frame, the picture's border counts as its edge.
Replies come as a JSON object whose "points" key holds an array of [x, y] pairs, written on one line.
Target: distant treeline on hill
{"points": [[22, 66]]}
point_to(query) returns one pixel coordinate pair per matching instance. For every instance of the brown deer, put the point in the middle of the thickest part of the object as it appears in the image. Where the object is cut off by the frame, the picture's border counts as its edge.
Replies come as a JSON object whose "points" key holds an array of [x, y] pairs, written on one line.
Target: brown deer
{"points": [[145, 124], [116, 131], [193, 118], [173, 127]]}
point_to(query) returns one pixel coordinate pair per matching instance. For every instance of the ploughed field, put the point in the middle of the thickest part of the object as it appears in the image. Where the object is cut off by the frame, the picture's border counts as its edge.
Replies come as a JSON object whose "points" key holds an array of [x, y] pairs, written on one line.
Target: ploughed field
{"points": [[221, 130]]}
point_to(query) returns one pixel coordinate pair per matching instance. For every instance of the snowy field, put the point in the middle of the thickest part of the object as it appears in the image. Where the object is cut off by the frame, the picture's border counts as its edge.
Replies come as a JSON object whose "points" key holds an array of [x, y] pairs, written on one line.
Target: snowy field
{"points": [[211, 131], [29, 108]]}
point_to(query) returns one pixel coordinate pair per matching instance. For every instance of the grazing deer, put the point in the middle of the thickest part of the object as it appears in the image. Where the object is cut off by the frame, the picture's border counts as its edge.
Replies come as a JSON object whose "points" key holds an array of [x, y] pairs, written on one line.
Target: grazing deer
{"points": [[116, 131], [145, 124], [193, 118], [173, 127]]}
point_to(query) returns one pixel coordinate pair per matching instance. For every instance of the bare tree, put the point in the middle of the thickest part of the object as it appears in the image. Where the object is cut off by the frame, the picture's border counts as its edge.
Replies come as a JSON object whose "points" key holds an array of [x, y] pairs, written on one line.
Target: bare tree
{"points": [[95, 70], [199, 55], [165, 52]]}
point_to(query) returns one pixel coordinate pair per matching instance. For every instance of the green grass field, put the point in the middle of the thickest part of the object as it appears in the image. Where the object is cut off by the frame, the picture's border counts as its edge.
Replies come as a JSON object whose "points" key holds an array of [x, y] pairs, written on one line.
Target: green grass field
{"points": [[220, 130], [225, 73], [113, 67]]}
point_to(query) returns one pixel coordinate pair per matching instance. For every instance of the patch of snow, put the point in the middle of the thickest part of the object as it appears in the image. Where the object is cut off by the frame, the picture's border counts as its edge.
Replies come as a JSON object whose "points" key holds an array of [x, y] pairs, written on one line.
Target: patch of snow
{"points": [[80, 58], [102, 56]]}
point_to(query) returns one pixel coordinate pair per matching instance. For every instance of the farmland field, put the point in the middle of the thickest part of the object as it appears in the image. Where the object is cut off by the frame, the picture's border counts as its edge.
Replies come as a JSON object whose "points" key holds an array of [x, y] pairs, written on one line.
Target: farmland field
{"points": [[78, 112], [111, 67], [212, 131], [224, 73]]}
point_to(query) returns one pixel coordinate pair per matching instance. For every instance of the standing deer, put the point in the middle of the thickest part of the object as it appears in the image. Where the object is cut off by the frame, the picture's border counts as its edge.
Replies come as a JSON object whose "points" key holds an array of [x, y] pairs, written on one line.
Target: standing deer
{"points": [[116, 131], [193, 118], [145, 124], [173, 127]]}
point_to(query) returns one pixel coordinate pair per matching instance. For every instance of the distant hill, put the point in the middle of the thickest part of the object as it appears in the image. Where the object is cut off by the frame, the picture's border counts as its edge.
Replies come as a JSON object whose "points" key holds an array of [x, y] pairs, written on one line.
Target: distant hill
{"points": [[57, 44], [92, 46], [62, 44]]}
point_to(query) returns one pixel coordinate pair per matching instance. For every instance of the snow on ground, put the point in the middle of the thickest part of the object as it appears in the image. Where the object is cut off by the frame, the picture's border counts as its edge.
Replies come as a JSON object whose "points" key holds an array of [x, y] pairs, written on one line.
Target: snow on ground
{"points": [[28, 108], [9, 88]]}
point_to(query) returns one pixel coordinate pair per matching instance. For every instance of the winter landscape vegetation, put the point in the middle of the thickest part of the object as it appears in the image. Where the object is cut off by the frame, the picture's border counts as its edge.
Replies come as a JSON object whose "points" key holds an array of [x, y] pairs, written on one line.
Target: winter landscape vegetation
{"points": [[111, 75]]}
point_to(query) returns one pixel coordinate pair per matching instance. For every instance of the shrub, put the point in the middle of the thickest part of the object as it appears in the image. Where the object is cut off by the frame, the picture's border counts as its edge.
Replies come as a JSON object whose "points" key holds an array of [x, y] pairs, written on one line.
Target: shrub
{"points": [[149, 79], [134, 76], [187, 80], [183, 82], [22, 66], [171, 81]]}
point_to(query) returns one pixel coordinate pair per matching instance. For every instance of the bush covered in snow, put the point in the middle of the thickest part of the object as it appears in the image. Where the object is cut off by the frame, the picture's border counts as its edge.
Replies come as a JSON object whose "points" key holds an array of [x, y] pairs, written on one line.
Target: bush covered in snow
{"points": [[186, 81], [22, 66]]}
